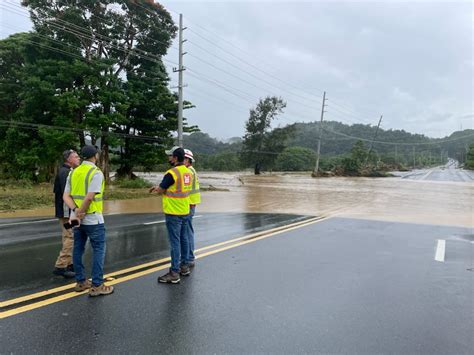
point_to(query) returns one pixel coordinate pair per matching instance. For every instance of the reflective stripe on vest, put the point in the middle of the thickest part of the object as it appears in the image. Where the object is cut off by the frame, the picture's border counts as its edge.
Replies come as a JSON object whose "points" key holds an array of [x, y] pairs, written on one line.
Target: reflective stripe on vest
{"points": [[179, 193], [176, 197], [195, 195]]}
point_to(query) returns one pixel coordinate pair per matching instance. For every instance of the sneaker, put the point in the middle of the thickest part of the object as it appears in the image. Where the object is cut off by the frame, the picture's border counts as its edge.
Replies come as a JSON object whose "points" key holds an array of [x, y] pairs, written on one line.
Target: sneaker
{"points": [[191, 264], [64, 272], [82, 286], [101, 290], [170, 277], [184, 270]]}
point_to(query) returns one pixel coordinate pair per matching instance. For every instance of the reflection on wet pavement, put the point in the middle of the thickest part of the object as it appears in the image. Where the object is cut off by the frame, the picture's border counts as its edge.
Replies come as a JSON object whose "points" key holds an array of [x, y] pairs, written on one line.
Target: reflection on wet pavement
{"points": [[27, 255]]}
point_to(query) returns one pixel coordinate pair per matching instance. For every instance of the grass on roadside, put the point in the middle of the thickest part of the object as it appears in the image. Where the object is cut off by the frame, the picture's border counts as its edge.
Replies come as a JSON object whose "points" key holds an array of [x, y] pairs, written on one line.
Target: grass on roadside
{"points": [[21, 195]]}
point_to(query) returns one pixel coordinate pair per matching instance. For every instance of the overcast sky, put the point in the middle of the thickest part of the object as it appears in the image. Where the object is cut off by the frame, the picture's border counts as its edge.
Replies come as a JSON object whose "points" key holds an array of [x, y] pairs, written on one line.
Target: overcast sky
{"points": [[410, 61]]}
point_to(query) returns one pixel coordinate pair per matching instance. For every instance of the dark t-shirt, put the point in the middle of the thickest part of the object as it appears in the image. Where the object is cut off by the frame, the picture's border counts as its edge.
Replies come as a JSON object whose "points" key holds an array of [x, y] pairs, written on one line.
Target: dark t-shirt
{"points": [[167, 181]]}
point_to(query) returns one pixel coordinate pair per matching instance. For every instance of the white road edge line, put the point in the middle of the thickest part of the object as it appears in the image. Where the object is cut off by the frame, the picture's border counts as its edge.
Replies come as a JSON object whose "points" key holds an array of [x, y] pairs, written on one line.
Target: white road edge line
{"points": [[162, 221], [427, 174], [27, 222], [440, 250], [156, 222]]}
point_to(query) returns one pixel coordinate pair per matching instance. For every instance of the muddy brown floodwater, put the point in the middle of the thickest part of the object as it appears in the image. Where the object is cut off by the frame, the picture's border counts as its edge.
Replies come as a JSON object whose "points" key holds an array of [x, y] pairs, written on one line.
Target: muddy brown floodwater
{"points": [[390, 199]]}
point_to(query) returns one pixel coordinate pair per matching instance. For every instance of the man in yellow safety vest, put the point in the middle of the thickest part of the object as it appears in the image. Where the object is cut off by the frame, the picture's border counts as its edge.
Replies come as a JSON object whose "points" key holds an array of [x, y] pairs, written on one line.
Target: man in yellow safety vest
{"points": [[84, 196], [194, 199], [175, 188]]}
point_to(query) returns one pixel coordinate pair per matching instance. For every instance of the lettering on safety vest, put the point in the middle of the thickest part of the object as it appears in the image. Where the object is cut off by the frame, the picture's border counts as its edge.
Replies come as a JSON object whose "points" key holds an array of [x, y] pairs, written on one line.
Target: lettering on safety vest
{"points": [[187, 178]]}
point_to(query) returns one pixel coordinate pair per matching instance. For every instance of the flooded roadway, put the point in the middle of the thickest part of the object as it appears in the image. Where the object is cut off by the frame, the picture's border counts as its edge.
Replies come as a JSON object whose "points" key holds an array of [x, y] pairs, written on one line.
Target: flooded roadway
{"points": [[446, 201], [449, 172]]}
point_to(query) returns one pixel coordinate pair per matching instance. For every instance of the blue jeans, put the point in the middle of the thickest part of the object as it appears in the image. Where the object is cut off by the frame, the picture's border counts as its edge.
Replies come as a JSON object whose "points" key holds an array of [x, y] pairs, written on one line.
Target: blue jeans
{"points": [[96, 235], [178, 237], [192, 210]]}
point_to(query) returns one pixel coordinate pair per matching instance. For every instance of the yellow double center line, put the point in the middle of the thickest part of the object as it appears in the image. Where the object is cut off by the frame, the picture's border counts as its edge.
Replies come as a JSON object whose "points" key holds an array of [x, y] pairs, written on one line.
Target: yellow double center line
{"points": [[200, 253]]}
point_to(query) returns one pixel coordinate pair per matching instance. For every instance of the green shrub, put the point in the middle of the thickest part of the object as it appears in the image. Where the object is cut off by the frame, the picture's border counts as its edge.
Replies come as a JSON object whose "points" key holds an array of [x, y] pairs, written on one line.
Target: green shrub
{"points": [[296, 159], [470, 158], [351, 166], [136, 183]]}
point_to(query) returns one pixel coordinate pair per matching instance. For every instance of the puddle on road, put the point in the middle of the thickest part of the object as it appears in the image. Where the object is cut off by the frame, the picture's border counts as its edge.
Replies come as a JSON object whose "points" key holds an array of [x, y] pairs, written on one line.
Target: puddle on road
{"points": [[391, 199]]}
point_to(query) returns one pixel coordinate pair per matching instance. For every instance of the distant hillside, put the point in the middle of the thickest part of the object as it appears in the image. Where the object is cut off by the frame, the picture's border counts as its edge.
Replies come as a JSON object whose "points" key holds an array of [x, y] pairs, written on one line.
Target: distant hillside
{"points": [[337, 141], [202, 143]]}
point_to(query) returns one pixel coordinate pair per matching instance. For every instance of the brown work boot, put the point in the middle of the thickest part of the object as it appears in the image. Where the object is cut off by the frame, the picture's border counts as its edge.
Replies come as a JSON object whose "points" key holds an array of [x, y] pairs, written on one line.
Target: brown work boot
{"points": [[185, 270], [101, 290], [82, 286], [171, 277]]}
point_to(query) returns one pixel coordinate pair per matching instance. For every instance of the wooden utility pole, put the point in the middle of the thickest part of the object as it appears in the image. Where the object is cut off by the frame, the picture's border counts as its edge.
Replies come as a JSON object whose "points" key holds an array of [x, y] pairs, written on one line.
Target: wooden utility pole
{"points": [[372, 142], [180, 70], [414, 157], [316, 169]]}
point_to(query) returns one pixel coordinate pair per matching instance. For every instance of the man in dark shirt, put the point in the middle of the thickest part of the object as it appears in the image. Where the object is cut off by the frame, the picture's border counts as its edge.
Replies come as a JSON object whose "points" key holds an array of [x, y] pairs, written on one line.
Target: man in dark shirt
{"points": [[63, 266], [175, 188]]}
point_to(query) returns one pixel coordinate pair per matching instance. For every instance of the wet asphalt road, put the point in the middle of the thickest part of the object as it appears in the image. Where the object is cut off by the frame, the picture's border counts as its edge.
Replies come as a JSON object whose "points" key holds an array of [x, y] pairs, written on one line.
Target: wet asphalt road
{"points": [[29, 247], [449, 172], [337, 286]]}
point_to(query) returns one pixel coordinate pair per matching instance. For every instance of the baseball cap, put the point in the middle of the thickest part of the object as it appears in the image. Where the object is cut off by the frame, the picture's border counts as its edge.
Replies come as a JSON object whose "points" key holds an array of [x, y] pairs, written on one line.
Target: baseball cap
{"points": [[88, 151], [171, 151]]}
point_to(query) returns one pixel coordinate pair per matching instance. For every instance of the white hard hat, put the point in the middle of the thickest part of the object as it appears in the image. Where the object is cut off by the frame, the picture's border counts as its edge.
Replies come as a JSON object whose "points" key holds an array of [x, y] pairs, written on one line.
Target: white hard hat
{"points": [[189, 154]]}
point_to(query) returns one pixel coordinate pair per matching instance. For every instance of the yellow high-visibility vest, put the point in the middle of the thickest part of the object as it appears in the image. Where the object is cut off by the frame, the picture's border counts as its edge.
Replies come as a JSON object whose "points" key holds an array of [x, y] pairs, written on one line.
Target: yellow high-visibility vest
{"points": [[176, 197], [195, 194], [80, 179]]}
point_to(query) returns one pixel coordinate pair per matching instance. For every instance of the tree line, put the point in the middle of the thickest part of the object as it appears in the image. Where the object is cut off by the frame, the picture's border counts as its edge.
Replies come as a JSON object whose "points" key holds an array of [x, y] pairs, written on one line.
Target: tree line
{"points": [[86, 73]]}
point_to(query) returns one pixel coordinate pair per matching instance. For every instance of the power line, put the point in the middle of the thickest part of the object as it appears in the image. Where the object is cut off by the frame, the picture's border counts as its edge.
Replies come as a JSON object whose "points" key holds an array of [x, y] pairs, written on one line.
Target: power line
{"points": [[238, 58], [217, 99], [105, 20], [80, 34], [398, 143], [142, 56], [238, 77], [238, 68], [150, 74], [373, 112], [252, 55], [108, 40], [72, 55], [333, 108], [242, 95], [252, 75], [331, 131], [38, 126], [243, 61]]}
